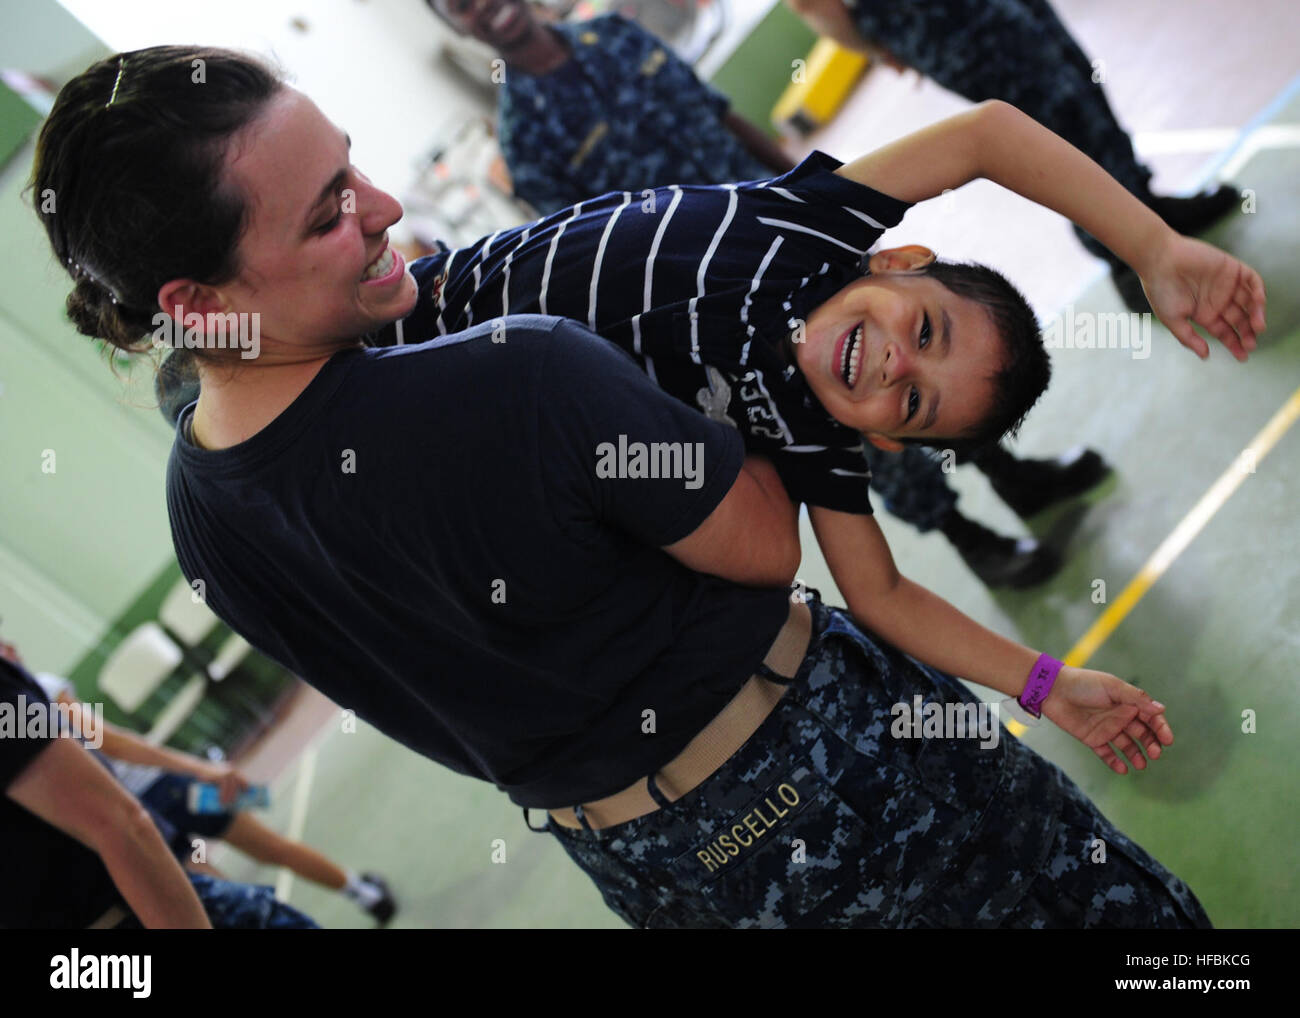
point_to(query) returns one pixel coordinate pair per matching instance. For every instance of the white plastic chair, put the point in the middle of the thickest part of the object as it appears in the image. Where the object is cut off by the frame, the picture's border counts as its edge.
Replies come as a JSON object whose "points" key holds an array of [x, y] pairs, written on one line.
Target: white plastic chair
{"points": [[138, 667], [192, 620]]}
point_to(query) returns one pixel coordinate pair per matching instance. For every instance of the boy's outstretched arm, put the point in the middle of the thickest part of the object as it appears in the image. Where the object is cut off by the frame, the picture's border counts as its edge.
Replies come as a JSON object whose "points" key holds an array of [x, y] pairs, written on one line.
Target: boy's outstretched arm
{"points": [[1098, 709], [1186, 280]]}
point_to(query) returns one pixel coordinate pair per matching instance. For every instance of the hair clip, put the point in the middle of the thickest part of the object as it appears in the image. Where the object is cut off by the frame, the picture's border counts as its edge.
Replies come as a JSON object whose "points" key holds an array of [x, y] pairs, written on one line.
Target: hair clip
{"points": [[83, 271], [121, 66]]}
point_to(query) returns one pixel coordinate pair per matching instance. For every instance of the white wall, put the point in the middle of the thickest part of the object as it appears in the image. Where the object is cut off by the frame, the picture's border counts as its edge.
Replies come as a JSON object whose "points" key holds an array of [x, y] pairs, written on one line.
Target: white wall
{"points": [[44, 39], [371, 66]]}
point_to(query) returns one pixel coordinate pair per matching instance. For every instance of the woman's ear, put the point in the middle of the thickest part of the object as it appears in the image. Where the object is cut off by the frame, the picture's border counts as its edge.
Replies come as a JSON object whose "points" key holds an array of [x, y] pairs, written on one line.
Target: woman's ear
{"points": [[190, 297], [883, 442], [908, 258]]}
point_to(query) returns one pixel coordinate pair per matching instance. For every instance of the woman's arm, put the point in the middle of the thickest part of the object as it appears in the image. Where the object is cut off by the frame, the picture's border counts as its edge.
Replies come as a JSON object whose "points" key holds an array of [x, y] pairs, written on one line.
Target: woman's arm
{"points": [[68, 789], [752, 536]]}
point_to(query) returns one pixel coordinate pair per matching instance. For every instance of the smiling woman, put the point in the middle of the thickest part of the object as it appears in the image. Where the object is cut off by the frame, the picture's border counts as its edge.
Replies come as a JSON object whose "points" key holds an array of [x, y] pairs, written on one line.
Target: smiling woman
{"points": [[229, 190]]}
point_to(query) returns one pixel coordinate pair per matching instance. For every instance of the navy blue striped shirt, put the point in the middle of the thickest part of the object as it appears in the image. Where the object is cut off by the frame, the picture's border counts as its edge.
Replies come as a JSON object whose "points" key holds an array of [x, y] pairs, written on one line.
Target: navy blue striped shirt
{"points": [[702, 285]]}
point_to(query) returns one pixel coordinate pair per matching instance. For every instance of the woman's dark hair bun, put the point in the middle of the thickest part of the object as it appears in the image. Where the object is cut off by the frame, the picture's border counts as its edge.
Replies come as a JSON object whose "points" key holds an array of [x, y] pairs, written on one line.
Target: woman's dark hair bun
{"points": [[132, 192]]}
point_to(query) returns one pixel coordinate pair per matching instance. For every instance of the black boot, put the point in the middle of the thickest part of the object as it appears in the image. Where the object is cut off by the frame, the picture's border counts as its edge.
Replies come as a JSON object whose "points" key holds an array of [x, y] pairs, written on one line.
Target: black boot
{"points": [[1091, 244], [1125, 279], [1199, 212], [1030, 486], [1000, 561], [1129, 285]]}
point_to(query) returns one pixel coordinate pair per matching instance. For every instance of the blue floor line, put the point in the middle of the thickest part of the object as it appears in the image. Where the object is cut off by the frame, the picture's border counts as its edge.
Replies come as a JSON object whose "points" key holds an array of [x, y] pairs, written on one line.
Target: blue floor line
{"points": [[1265, 116]]}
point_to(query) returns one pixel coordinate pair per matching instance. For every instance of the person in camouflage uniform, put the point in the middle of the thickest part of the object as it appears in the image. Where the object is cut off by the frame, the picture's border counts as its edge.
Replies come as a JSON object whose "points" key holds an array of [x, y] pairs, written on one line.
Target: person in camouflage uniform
{"points": [[232, 906], [602, 105], [824, 819], [624, 111]]}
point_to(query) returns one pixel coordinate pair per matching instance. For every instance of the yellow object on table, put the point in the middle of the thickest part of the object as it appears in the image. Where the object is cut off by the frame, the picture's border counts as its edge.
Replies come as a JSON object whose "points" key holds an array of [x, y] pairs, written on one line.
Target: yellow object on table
{"points": [[819, 87]]}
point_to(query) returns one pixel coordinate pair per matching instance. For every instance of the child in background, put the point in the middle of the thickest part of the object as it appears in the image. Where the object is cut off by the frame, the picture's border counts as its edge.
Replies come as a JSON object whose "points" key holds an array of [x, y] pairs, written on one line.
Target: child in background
{"points": [[80, 852], [161, 778]]}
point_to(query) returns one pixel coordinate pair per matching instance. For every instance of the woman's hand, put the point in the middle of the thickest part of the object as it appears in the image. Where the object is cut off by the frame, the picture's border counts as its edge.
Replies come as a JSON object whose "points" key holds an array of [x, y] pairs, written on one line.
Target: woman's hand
{"points": [[1099, 709], [231, 783], [1188, 281]]}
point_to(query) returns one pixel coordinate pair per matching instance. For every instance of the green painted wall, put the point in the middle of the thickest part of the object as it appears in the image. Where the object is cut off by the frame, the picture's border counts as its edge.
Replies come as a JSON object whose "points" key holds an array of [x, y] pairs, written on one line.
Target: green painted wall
{"points": [[759, 70]]}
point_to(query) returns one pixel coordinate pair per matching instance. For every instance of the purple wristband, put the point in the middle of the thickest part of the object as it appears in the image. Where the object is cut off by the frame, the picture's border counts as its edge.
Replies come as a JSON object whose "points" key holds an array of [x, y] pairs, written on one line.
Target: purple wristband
{"points": [[1041, 679]]}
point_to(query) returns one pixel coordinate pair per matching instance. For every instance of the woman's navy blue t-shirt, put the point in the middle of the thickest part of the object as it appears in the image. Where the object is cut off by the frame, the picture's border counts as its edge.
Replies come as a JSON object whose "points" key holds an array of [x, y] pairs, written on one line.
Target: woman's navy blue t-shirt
{"points": [[430, 537]]}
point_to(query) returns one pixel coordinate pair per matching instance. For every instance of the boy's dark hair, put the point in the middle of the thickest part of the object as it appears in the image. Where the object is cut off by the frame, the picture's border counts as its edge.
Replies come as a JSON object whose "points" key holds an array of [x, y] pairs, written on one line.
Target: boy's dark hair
{"points": [[130, 183], [1026, 368]]}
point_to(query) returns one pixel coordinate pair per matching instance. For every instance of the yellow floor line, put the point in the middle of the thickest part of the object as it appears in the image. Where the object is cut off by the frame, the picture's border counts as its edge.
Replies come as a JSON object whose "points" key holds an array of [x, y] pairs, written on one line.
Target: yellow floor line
{"points": [[1180, 537]]}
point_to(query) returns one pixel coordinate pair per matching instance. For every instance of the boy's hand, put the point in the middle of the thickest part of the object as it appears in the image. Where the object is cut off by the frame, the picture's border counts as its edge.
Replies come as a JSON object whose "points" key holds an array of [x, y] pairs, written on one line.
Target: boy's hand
{"points": [[1099, 709], [1189, 281]]}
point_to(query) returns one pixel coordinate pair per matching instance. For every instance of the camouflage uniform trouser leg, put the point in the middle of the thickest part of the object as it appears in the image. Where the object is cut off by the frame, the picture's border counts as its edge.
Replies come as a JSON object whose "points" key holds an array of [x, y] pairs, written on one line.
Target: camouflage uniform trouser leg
{"points": [[824, 819], [1014, 50], [912, 484], [232, 906]]}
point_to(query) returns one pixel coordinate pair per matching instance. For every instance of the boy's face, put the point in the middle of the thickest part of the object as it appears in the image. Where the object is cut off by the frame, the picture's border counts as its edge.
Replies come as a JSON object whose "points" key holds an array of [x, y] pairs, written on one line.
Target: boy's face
{"points": [[502, 24], [899, 355]]}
